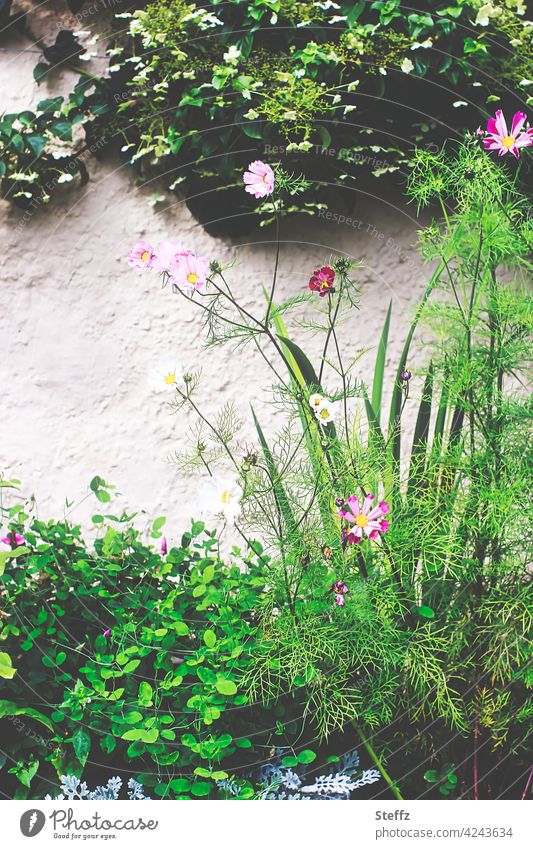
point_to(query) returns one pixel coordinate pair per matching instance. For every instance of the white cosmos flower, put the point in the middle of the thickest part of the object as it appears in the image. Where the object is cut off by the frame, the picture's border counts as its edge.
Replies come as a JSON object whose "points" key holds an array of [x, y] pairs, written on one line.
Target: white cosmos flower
{"points": [[407, 66], [167, 375], [220, 497], [315, 401], [326, 411]]}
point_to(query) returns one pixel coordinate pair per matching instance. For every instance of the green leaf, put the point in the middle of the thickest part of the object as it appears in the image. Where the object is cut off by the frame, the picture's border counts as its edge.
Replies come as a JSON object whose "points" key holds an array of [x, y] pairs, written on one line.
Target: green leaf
{"points": [[307, 756], [208, 574], [180, 785], [6, 669], [133, 716], [197, 528], [37, 144], [373, 421], [201, 788], [426, 612], [8, 708], [40, 71], [309, 378], [226, 687], [431, 775], [81, 740], [210, 639], [62, 129], [397, 393], [9, 555], [421, 435], [379, 368], [145, 694], [290, 760]]}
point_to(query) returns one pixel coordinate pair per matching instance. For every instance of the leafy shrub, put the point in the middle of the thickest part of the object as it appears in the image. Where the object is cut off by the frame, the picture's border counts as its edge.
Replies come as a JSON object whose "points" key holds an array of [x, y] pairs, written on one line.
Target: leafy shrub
{"points": [[124, 655], [332, 89]]}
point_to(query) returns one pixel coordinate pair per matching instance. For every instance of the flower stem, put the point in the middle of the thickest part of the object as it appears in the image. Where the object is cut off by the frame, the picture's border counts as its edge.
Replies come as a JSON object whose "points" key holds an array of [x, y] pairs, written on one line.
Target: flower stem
{"points": [[375, 757], [530, 776]]}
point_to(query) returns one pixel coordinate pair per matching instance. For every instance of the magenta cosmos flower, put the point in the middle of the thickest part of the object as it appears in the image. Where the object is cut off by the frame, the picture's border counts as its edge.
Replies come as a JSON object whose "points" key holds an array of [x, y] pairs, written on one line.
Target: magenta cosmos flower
{"points": [[322, 280], [189, 271], [259, 179], [499, 138], [340, 590], [14, 539], [141, 255], [364, 519]]}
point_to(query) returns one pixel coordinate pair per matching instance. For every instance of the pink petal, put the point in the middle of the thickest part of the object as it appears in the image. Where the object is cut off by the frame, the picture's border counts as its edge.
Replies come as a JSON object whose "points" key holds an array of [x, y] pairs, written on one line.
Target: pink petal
{"points": [[501, 124], [524, 140], [367, 504], [519, 119], [381, 510], [353, 501]]}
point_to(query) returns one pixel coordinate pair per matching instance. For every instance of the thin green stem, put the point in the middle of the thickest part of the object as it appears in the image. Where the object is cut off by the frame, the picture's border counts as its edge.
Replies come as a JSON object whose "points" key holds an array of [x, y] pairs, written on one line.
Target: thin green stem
{"points": [[376, 759]]}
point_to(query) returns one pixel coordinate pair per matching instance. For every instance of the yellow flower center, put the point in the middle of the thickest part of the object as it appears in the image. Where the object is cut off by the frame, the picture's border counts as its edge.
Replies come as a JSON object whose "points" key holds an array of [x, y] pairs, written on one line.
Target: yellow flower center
{"points": [[145, 256], [265, 179], [324, 413], [361, 521], [170, 378], [317, 401], [192, 278], [226, 496], [508, 142]]}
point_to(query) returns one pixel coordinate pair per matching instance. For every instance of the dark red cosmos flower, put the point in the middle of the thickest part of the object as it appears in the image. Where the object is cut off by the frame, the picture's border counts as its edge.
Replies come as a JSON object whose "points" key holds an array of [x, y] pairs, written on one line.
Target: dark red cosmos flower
{"points": [[322, 280]]}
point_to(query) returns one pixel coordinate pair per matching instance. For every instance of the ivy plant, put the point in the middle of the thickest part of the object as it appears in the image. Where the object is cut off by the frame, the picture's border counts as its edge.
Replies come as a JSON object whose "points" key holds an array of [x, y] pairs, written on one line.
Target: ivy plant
{"points": [[194, 93]]}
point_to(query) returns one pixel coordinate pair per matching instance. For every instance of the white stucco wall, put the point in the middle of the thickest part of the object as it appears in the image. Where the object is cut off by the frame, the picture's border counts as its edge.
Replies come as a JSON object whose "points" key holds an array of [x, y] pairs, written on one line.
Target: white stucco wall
{"points": [[79, 330]]}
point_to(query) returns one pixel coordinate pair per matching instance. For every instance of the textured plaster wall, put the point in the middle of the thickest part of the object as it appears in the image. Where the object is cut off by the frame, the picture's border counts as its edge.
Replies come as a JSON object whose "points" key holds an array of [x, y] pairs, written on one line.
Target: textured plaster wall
{"points": [[79, 330]]}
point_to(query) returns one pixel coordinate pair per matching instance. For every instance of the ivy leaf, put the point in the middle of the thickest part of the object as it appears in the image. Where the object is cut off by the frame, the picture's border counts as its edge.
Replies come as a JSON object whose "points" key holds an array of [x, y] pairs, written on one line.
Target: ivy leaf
{"points": [[37, 144], [65, 49], [40, 71]]}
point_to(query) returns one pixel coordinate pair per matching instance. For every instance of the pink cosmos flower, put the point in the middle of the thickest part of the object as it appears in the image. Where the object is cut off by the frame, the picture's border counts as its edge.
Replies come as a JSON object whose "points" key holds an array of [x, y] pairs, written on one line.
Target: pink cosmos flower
{"points": [[164, 548], [107, 633], [322, 280], [165, 254], [259, 179], [188, 270], [500, 139], [13, 539], [141, 255], [365, 519]]}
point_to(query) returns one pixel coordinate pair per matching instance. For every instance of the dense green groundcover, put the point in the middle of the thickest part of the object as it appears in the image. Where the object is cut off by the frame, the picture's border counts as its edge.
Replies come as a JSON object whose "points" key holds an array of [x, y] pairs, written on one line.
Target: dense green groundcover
{"points": [[340, 91]]}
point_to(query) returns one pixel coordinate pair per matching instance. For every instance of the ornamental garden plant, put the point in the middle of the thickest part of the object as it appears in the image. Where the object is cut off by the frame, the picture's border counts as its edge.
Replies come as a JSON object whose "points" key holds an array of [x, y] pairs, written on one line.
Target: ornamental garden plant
{"points": [[333, 88], [369, 635]]}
